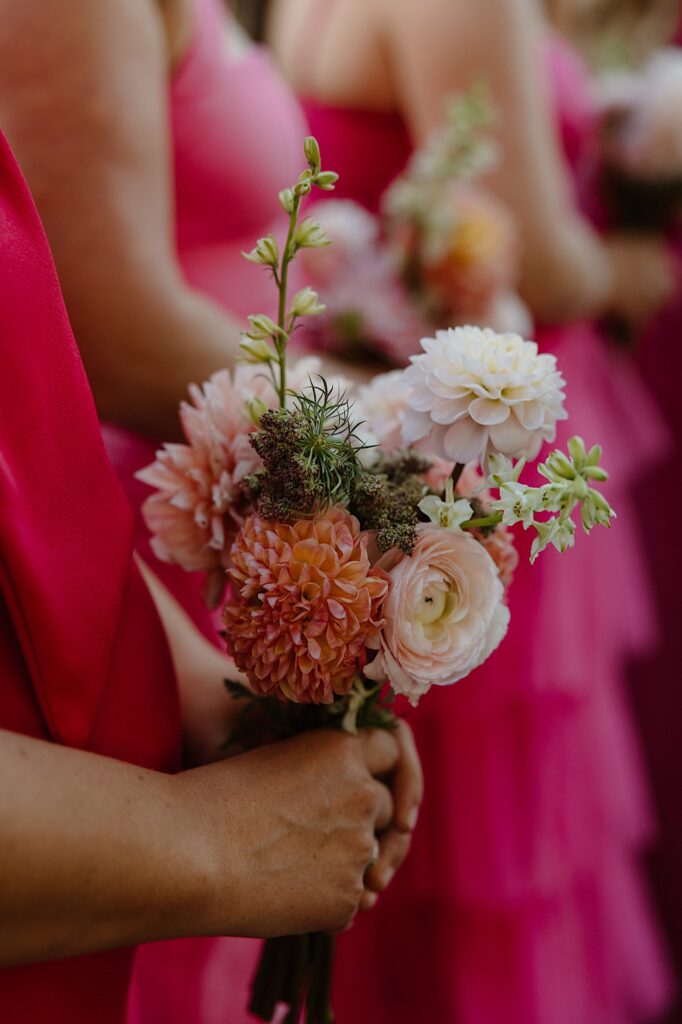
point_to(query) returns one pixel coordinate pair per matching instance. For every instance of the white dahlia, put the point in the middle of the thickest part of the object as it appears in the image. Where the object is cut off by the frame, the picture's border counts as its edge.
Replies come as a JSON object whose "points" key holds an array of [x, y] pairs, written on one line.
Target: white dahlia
{"points": [[475, 391]]}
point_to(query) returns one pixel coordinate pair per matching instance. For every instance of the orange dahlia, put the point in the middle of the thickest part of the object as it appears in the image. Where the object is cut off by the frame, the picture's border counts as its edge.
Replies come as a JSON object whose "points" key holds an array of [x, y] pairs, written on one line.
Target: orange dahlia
{"points": [[306, 602]]}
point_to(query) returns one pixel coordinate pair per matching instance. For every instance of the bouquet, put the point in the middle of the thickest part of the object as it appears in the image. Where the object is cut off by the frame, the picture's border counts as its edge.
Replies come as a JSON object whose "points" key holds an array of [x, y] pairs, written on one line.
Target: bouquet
{"points": [[366, 541], [641, 142], [443, 249]]}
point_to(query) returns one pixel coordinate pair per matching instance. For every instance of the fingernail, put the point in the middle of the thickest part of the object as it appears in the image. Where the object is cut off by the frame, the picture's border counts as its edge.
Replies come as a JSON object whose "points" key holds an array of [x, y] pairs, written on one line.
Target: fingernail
{"points": [[371, 900], [387, 877], [412, 818]]}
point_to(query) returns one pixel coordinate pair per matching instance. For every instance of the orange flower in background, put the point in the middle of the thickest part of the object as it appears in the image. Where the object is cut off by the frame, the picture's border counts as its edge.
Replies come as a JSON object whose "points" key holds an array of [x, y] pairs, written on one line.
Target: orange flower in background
{"points": [[474, 255], [307, 602]]}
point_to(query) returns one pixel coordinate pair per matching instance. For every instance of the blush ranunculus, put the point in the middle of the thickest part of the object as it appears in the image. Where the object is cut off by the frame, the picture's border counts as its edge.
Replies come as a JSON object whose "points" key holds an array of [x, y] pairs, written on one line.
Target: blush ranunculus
{"points": [[445, 613]]}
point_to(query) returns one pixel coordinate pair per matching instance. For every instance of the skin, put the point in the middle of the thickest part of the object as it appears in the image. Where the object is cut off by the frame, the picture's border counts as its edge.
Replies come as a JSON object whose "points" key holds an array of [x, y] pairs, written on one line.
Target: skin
{"points": [[409, 57], [102, 854], [94, 146]]}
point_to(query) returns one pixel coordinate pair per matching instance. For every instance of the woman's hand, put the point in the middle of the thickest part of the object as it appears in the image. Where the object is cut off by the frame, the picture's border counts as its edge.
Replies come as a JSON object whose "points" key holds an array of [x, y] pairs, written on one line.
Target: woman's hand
{"points": [[407, 785], [289, 829]]}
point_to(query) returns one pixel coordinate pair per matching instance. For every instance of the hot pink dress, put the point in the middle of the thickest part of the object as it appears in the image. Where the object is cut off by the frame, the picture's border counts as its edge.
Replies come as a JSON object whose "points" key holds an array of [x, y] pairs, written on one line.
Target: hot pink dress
{"points": [[522, 900], [237, 136], [83, 657]]}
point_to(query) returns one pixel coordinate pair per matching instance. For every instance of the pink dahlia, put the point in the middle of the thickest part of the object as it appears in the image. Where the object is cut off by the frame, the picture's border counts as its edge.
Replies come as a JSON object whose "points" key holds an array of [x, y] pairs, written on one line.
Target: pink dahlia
{"points": [[198, 505], [307, 602]]}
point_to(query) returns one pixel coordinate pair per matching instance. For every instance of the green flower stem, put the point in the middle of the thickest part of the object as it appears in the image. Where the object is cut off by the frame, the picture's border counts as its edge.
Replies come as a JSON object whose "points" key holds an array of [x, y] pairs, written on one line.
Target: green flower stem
{"points": [[480, 524], [456, 473], [282, 282]]}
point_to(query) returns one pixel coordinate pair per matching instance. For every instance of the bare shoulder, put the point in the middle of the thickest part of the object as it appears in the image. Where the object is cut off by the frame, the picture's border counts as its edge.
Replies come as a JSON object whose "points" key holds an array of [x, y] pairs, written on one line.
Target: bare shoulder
{"points": [[456, 24]]}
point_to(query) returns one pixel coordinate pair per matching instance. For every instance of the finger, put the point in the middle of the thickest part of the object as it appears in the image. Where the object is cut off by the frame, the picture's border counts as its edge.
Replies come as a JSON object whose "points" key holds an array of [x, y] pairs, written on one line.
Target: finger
{"points": [[381, 750], [408, 780], [384, 812], [393, 849], [368, 901]]}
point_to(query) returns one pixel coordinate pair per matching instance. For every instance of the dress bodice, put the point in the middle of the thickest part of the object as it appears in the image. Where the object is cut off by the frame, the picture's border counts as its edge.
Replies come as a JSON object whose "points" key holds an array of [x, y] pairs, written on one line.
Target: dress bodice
{"points": [[237, 135]]}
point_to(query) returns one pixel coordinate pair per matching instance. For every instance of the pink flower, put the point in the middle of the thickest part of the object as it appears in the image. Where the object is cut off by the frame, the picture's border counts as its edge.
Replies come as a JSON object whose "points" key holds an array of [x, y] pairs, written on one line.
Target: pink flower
{"points": [[198, 507], [445, 613], [351, 231], [307, 603]]}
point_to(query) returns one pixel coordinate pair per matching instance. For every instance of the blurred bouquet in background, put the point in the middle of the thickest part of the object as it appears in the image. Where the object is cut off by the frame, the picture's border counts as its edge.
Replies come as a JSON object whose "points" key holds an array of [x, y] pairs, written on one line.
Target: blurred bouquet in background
{"points": [[366, 540], [444, 250], [455, 245], [641, 142]]}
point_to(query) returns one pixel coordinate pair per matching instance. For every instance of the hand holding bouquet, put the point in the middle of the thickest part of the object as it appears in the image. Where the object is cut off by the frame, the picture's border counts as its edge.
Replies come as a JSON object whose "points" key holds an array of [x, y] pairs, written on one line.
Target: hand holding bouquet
{"points": [[365, 559]]}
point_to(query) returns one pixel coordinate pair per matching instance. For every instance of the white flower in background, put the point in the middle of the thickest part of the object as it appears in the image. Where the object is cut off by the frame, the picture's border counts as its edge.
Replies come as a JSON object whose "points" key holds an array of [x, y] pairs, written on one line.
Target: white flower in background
{"points": [[474, 390], [649, 142], [382, 404]]}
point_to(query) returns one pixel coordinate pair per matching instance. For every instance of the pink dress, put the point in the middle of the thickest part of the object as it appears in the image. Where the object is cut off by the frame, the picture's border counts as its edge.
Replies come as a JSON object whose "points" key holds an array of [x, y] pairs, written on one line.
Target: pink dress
{"points": [[84, 661], [656, 678], [522, 900], [237, 137]]}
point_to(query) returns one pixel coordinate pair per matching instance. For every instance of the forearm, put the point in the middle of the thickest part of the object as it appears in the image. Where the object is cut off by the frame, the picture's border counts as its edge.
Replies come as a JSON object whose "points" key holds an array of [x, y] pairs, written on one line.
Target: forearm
{"points": [[93, 854], [144, 347]]}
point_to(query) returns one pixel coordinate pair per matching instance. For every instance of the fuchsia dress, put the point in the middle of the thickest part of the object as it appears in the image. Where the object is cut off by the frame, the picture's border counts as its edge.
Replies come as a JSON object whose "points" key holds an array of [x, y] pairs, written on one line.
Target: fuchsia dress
{"points": [[522, 900], [83, 657]]}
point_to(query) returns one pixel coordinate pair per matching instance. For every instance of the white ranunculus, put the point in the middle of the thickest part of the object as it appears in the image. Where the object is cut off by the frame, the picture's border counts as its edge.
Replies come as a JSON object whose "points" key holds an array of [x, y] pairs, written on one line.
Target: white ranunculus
{"points": [[444, 614], [475, 391]]}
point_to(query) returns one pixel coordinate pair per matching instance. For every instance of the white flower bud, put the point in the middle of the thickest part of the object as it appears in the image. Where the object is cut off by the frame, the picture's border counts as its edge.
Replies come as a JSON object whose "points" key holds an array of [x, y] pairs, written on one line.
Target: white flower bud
{"points": [[262, 327], [287, 200], [576, 448], [594, 455], [310, 235], [312, 153], [256, 350], [306, 303], [255, 407], [266, 252], [326, 180]]}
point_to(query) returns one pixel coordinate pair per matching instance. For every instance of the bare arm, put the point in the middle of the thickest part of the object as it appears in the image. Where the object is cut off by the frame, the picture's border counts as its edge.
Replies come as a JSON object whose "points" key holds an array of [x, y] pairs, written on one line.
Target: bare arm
{"points": [[83, 101], [441, 47], [96, 854]]}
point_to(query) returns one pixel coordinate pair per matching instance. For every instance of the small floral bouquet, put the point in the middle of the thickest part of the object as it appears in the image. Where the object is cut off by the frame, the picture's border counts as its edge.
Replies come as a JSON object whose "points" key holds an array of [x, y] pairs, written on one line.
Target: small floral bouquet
{"points": [[456, 246], [365, 559], [641, 142], [443, 250]]}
